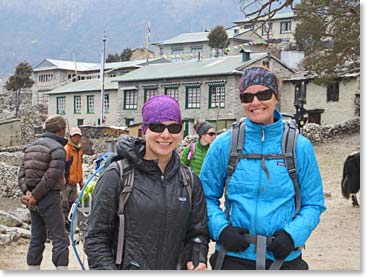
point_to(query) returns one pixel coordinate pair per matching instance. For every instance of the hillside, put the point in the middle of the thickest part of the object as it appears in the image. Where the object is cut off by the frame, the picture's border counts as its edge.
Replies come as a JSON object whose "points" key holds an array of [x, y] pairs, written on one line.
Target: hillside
{"points": [[34, 30]]}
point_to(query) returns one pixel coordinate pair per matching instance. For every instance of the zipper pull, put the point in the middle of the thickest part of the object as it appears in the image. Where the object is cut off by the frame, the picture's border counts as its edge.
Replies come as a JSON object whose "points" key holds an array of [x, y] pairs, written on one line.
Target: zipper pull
{"points": [[262, 135], [162, 180]]}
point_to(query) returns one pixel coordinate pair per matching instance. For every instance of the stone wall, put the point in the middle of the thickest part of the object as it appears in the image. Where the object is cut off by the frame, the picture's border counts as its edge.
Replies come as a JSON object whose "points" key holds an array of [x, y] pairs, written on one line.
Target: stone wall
{"points": [[324, 133]]}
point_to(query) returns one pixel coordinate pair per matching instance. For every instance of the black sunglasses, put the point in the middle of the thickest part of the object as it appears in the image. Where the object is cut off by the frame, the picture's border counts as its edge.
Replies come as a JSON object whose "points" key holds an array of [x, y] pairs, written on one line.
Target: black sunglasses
{"points": [[174, 128], [262, 95], [212, 134]]}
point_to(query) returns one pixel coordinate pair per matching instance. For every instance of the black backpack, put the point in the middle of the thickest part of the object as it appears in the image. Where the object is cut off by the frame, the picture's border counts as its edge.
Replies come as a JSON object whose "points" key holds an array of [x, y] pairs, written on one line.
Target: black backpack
{"points": [[126, 170]]}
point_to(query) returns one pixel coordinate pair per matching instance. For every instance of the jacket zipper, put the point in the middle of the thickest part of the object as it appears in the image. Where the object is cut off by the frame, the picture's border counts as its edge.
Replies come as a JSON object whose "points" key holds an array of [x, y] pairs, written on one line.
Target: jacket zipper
{"points": [[259, 186], [163, 236]]}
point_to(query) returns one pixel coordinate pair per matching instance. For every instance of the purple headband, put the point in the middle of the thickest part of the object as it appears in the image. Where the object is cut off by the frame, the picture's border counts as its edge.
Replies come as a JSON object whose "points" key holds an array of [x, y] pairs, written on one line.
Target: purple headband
{"points": [[161, 108], [259, 76]]}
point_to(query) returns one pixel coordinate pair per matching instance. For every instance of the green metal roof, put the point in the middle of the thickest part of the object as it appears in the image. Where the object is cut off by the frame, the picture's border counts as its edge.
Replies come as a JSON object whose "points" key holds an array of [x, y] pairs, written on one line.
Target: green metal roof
{"points": [[277, 16], [85, 85], [204, 67], [193, 37]]}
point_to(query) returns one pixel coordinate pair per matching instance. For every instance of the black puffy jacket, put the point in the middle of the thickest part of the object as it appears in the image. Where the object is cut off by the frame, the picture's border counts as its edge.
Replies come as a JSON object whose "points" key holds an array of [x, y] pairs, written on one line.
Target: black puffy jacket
{"points": [[159, 223]]}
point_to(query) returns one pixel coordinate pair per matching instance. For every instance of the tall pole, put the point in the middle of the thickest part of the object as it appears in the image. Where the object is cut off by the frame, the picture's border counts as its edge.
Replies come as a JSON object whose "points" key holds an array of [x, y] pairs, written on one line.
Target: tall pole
{"points": [[102, 79]]}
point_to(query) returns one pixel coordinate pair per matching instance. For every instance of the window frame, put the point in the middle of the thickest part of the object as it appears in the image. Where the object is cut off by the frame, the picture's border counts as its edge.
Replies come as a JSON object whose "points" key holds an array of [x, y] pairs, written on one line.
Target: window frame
{"points": [[77, 111], [89, 109], [286, 30], [132, 94], [106, 103], [58, 109], [198, 95], [175, 92], [222, 96], [149, 90], [332, 92]]}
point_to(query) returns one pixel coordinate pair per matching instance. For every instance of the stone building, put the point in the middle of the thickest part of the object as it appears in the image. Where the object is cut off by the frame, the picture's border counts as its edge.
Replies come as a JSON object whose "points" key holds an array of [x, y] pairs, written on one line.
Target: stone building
{"points": [[51, 74], [195, 46], [282, 27], [206, 90]]}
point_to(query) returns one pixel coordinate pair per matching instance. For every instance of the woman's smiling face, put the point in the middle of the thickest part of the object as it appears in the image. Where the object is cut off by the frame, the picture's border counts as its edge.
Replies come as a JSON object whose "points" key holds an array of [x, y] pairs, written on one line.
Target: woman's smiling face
{"points": [[260, 112]]}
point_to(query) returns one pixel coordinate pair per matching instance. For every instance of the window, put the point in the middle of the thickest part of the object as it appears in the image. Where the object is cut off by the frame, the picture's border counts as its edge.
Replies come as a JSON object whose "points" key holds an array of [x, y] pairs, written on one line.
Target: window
{"points": [[129, 121], [106, 103], [60, 103], [193, 97], [160, 51], [196, 53], [285, 27], [77, 104], [332, 92], [177, 54], [130, 99], [90, 104], [248, 27], [173, 92], [265, 28], [80, 122], [216, 96], [150, 92], [45, 77]]}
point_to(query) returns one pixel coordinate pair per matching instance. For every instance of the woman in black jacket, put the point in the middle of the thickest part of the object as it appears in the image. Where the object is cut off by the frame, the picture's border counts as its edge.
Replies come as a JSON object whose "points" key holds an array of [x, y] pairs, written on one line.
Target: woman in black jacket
{"points": [[165, 227]]}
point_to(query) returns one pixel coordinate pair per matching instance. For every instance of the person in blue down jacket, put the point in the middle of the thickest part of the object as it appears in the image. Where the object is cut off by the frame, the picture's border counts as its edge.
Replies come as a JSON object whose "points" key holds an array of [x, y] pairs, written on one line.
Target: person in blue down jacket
{"points": [[259, 204]]}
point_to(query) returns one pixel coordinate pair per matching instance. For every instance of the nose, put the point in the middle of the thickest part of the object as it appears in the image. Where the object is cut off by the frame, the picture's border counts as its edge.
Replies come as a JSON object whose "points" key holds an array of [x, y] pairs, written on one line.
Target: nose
{"points": [[255, 101], [165, 133]]}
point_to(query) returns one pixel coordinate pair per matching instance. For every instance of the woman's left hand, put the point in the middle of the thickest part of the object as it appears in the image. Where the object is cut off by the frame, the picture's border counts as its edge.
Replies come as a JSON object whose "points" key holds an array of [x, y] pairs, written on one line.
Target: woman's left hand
{"points": [[190, 266]]}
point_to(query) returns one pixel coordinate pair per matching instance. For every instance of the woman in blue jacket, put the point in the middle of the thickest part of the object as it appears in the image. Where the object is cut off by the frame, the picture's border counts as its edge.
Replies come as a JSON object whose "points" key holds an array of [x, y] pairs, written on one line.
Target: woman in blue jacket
{"points": [[261, 193]]}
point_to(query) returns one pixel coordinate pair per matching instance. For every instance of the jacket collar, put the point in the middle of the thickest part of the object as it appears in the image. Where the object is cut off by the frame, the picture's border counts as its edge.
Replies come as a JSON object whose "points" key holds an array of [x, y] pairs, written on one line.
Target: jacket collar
{"points": [[273, 130], [63, 141]]}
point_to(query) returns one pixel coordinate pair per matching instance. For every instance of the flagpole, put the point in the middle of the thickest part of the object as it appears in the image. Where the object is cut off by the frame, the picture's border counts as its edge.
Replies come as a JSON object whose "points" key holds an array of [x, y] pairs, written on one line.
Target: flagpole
{"points": [[147, 40], [102, 79]]}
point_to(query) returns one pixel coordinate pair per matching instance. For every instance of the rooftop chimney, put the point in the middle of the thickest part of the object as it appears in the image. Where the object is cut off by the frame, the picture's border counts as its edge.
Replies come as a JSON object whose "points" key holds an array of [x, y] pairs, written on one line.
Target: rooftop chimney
{"points": [[245, 54]]}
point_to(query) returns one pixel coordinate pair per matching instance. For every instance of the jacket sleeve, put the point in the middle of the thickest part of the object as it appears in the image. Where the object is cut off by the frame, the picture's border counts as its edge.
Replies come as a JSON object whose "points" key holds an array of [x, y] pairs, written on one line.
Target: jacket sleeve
{"points": [[54, 173], [198, 227], [21, 178], [312, 197], [184, 155], [213, 175], [102, 221]]}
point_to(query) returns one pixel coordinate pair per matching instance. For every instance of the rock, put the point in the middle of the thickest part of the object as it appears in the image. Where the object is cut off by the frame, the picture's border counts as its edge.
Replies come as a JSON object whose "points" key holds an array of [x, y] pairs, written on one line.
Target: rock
{"points": [[3, 229], [9, 220], [20, 232], [5, 239], [23, 214]]}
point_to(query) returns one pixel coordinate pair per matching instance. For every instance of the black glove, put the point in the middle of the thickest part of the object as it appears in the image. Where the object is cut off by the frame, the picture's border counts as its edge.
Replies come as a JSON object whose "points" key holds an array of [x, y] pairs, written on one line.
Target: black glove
{"points": [[199, 253], [282, 245], [232, 238]]}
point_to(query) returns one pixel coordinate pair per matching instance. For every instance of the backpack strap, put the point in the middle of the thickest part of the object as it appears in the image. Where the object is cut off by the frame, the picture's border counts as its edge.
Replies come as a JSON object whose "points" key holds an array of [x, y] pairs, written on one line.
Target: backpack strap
{"points": [[188, 181], [289, 142], [237, 141], [126, 170]]}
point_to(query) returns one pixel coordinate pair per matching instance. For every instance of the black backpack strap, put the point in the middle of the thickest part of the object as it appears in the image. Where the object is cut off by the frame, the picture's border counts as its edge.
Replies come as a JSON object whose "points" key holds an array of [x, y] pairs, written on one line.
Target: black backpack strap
{"points": [[289, 142], [126, 170], [187, 177]]}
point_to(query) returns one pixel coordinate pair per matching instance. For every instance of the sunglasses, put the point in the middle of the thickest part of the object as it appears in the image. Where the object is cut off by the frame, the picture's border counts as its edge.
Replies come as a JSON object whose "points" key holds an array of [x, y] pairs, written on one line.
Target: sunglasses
{"points": [[212, 134], [174, 128], [263, 95]]}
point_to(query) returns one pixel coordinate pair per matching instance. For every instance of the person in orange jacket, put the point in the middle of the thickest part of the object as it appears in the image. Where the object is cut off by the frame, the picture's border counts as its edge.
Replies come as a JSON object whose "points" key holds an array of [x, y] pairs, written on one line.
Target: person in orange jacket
{"points": [[73, 171]]}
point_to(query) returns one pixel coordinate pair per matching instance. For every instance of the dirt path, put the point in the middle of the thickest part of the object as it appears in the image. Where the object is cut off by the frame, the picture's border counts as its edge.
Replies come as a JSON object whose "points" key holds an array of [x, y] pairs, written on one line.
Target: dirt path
{"points": [[334, 245]]}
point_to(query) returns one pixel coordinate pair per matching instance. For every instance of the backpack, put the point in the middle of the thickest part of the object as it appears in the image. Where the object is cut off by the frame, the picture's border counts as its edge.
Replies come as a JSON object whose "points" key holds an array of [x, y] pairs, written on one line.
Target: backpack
{"points": [[289, 140], [126, 170]]}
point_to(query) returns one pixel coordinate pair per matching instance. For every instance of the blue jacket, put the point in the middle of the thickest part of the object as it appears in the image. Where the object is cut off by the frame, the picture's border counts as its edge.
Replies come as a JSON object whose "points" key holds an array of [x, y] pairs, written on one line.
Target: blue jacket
{"points": [[261, 205]]}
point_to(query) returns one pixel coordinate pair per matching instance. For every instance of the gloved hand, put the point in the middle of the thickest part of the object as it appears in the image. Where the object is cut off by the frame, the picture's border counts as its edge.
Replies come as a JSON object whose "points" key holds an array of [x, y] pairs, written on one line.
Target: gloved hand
{"points": [[232, 238], [282, 245]]}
